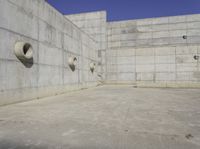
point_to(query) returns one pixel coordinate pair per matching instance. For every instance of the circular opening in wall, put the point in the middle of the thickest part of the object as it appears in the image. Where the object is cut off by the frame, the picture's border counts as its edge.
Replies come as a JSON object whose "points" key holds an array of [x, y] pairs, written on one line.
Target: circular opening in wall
{"points": [[196, 57], [23, 51], [27, 50], [184, 37], [92, 67], [72, 62]]}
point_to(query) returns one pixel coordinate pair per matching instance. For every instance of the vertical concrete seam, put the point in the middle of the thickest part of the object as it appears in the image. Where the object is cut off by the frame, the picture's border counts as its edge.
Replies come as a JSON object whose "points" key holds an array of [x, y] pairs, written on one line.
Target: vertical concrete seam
{"points": [[135, 65], [154, 73], [38, 55], [63, 56], [175, 66]]}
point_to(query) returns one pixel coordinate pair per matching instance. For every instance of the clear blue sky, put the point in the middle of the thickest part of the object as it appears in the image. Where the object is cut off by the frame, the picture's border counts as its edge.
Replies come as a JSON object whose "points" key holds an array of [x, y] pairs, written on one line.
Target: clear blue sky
{"points": [[129, 9]]}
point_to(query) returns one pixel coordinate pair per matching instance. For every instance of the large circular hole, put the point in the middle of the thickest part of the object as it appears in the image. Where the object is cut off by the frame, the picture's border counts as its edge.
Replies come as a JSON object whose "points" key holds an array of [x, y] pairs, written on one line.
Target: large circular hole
{"points": [[23, 51], [28, 51]]}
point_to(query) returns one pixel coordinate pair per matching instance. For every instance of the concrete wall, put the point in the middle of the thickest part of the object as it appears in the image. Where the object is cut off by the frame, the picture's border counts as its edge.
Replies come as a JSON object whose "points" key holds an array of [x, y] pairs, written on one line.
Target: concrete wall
{"points": [[54, 39], [94, 24], [147, 52], [152, 52]]}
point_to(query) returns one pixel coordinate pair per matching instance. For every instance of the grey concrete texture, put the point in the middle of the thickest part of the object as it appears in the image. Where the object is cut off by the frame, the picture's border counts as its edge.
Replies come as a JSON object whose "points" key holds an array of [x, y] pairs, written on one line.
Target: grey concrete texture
{"points": [[53, 39], [154, 32], [95, 25], [146, 52], [159, 64], [153, 51], [106, 117]]}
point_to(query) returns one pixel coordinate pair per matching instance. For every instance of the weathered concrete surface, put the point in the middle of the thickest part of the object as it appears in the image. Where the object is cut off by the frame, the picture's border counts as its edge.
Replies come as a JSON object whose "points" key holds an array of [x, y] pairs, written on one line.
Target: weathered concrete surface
{"points": [[152, 52], [118, 117], [95, 25], [54, 39]]}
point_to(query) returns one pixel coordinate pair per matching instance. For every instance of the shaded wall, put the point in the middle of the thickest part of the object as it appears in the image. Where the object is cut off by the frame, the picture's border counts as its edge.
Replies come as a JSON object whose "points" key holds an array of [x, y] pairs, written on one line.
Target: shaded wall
{"points": [[54, 39], [152, 52]]}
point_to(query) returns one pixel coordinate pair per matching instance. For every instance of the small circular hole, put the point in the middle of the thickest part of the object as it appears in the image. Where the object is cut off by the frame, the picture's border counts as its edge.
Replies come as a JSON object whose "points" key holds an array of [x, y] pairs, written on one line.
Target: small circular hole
{"points": [[184, 37]]}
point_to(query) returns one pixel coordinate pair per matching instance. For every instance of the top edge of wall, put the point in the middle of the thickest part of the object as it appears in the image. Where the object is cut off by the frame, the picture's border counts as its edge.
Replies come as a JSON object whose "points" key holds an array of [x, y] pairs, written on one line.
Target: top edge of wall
{"points": [[153, 18], [85, 13]]}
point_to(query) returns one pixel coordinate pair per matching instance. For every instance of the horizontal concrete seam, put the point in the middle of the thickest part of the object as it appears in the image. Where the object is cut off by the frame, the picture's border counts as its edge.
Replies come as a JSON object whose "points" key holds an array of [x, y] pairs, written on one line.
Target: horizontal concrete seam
{"points": [[110, 27]]}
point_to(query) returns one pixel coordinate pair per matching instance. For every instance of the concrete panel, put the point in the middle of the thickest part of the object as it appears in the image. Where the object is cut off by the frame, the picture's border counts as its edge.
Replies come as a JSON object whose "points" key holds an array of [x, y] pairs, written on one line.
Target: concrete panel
{"points": [[125, 52], [183, 59], [165, 67], [177, 19], [161, 41], [48, 54], [191, 67], [49, 34], [145, 22], [185, 50], [177, 26], [145, 52], [160, 27], [165, 76], [126, 68], [54, 79], [160, 34], [163, 20], [145, 60], [25, 23], [191, 18], [126, 77], [177, 33], [193, 25], [165, 59], [145, 76], [126, 60], [165, 51], [111, 76], [145, 68], [23, 77], [126, 44], [187, 76], [146, 28]]}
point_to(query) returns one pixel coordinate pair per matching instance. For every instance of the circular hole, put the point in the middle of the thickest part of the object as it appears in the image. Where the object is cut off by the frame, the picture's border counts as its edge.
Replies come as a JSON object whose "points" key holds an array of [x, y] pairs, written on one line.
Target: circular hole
{"points": [[27, 50], [72, 63], [23, 50], [92, 67], [184, 37], [196, 57]]}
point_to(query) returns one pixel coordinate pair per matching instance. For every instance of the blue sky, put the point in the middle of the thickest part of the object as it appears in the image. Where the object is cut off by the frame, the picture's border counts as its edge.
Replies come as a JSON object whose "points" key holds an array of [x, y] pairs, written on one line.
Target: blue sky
{"points": [[129, 9]]}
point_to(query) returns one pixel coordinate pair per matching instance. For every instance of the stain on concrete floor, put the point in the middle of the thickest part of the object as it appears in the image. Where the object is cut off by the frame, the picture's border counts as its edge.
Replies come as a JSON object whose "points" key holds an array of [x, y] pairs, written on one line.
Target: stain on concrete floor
{"points": [[106, 117]]}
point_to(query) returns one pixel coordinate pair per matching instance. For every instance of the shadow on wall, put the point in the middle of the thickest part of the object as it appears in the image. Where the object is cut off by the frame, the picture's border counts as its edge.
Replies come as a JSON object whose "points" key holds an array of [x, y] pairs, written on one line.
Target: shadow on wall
{"points": [[28, 63]]}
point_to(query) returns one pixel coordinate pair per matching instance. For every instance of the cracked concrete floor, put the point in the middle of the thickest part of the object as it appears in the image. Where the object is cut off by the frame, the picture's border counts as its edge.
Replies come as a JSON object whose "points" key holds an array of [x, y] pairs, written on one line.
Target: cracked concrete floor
{"points": [[106, 117]]}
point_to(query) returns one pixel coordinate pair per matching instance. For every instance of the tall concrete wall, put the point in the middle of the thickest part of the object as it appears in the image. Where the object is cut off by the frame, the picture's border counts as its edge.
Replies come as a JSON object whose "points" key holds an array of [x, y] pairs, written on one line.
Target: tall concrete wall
{"points": [[94, 24], [54, 39], [152, 52], [147, 52]]}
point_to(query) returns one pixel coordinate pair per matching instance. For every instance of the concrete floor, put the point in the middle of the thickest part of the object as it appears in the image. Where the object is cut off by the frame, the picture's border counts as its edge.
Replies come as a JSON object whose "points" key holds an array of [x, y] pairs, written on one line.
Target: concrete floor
{"points": [[114, 117]]}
